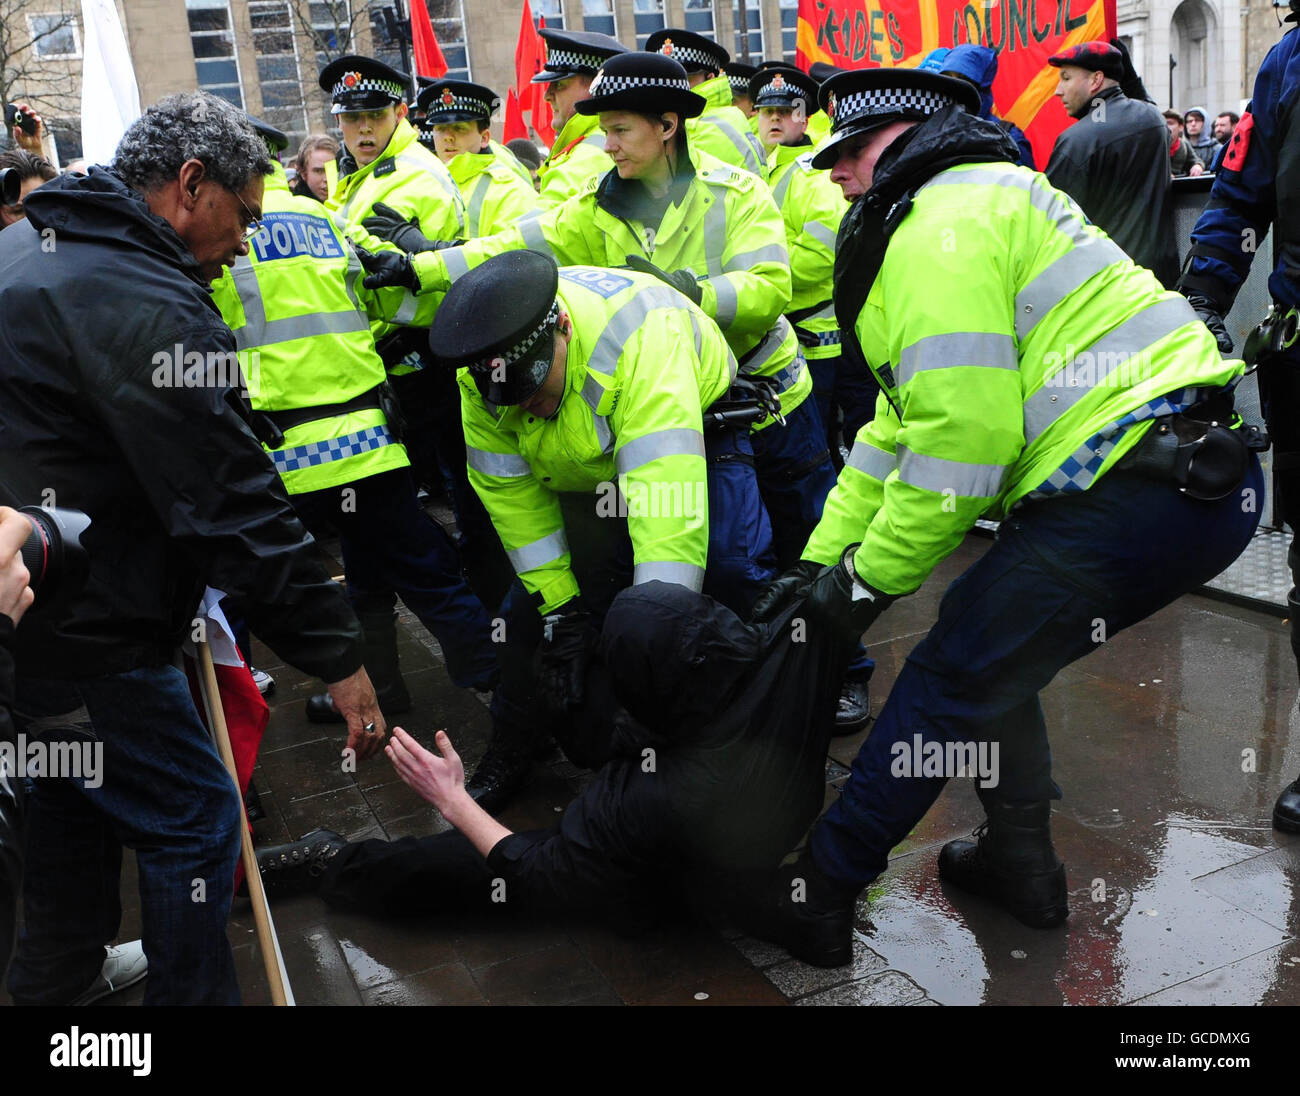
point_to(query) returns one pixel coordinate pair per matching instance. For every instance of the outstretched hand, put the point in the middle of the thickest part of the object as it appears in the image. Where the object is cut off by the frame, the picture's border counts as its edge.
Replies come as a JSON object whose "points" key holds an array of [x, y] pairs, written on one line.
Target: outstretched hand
{"points": [[437, 780]]}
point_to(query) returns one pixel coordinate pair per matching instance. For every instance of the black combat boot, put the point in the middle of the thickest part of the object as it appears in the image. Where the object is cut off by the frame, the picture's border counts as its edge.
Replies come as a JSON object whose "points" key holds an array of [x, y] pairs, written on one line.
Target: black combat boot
{"points": [[806, 912], [503, 769], [1012, 863], [379, 656], [1286, 811], [296, 868]]}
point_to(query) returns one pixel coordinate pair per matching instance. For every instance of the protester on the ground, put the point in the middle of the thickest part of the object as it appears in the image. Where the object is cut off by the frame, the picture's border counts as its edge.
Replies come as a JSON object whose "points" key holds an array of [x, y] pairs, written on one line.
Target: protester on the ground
{"points": [[315, 152], [120, 394], [987, 399], [1114, 160]]}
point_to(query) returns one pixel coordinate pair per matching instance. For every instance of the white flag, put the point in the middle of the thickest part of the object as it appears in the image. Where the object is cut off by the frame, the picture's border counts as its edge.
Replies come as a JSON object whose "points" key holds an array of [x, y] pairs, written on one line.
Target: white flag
{"points": [[110, 99]]}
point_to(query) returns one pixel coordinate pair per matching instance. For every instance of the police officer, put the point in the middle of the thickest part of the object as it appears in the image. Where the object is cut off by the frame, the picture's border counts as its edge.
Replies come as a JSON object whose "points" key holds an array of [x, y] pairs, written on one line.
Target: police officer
{"points": [[578, 154], [1030, 371], [1255, 187], [738, 76], [457, 127], [722, 130], [582, 397], [302, 322]]}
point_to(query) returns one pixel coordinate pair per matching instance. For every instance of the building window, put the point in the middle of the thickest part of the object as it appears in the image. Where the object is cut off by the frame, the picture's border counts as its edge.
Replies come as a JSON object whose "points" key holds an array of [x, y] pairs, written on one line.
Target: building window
{"points": [[448, 18], [649, 17], [67, 135], [549, 10], [54, 37], [754, 23], [213, 43], [598, 16], [277, 65], [789, 29], [699, 17]]}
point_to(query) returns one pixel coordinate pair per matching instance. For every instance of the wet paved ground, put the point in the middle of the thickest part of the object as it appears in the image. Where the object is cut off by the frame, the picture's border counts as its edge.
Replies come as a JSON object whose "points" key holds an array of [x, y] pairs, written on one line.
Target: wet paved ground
{"points": [[1171, 743]]}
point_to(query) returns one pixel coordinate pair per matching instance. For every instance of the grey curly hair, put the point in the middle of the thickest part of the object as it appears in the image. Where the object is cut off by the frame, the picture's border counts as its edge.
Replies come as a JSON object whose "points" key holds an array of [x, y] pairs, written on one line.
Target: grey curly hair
{"points": [[193, 125]]}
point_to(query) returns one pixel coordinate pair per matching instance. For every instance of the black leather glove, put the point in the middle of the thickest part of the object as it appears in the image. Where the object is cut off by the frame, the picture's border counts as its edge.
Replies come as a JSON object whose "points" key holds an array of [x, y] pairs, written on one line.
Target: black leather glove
{"points": [[1211, 315], [784, 591], [842, 601], [386, 223], [560, 665], [387, 268], [683, 281], [1130, 83]]}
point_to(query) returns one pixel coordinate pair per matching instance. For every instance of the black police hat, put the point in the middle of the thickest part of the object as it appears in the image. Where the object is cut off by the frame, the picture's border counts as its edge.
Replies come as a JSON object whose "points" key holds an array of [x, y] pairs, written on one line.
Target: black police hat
{"points": [[457, 101], [573, 52], [275, 140], [821, 71], [645, 82], [782, 86], [864, 100], [497, 320], [692, 51], [738, 75], [362, 83]]}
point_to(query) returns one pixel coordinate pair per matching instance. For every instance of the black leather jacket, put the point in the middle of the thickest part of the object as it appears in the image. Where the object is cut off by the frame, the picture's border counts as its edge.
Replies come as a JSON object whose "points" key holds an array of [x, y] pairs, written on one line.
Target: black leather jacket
{"points": [[100, 298], [1115, 163]]}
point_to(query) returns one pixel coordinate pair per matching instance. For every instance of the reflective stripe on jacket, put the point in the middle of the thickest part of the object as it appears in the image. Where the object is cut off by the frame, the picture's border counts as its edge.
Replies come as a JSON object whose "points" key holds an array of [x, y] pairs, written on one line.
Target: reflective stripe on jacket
{"points": [[723, 130], [642, 364], [1026, 354]]}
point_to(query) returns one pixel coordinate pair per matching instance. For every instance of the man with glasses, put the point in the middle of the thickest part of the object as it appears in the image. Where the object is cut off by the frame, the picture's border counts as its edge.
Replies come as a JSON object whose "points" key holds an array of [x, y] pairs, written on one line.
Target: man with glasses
{"points": [[120, 397]]}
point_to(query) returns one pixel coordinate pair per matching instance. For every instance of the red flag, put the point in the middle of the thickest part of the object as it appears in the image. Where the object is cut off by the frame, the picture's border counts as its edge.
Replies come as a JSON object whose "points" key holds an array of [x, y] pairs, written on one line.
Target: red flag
{"points": [[530, 59], [429, 60], [514, 123], [541, 112]]}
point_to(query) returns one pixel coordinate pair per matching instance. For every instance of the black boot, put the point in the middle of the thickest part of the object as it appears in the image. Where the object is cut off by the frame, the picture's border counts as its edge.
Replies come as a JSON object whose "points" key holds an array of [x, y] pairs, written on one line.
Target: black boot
{"points": [[1012, 863], [296, 868], [380, 658], [804, 911], [853, 711], [1286, 811], [503, 770]]}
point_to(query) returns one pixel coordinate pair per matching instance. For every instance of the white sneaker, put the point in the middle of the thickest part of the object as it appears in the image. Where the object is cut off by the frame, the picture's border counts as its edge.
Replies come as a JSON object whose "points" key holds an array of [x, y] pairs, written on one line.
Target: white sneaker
{"points": [[124, 965], [265, 682]]}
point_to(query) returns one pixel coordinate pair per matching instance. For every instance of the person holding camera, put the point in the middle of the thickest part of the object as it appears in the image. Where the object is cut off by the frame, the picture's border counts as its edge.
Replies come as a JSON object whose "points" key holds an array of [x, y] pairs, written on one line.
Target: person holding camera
{"points": [[120, 397]]}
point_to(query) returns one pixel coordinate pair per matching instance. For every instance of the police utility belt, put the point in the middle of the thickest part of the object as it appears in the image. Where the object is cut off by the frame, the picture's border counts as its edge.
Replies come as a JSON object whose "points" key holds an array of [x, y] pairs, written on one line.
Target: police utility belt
{"points": [[271, 426], [1197, 450]]}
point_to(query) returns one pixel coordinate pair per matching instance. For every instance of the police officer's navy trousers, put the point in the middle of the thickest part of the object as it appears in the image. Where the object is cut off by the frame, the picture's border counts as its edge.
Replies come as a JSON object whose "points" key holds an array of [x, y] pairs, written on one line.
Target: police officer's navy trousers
{"points": [[839, 386], [1063, 575], [390, 545]]}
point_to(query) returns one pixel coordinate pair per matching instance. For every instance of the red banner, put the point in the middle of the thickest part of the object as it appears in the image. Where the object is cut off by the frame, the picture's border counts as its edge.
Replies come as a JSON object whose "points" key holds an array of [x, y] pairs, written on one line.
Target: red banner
{"points": [[856, 34], [429, 60]]}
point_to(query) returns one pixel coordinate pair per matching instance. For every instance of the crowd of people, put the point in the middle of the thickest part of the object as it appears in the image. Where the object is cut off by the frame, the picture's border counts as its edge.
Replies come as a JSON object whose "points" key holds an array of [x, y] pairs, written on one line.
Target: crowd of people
{"points": [[709, 385]]}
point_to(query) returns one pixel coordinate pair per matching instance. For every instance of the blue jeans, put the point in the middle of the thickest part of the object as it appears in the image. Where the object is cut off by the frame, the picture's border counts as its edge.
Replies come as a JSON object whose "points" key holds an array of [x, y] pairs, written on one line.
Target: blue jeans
{"points": [[165, 794], [1063, 575], [794, 478]]}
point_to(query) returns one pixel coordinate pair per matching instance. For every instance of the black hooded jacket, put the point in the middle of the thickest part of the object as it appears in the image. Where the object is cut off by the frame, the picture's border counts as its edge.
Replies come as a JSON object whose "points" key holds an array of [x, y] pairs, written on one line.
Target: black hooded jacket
{"points": [[1115, 163], [97, 296]]}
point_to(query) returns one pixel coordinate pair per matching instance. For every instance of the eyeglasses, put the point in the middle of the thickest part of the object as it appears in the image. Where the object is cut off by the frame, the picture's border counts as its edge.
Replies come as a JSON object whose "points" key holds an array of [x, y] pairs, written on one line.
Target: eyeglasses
{"points": [[254, 225]]}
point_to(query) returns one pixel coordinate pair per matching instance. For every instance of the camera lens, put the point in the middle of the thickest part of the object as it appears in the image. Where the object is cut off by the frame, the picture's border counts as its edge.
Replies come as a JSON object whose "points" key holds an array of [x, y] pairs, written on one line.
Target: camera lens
{"points": [[53, 553]]}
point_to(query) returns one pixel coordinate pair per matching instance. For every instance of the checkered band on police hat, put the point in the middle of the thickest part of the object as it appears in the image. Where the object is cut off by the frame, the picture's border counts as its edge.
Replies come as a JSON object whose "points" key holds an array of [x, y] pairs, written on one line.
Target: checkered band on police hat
{"points": [[856, 105], [561, 57], [354, 82], [520, 350], [604, 84], [739, 84], [689, 55]]}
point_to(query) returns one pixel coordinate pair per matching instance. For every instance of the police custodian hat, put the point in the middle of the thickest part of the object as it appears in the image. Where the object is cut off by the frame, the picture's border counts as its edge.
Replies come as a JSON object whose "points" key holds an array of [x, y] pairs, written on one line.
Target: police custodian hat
{"points": [[861, 101], [783, 86], [645, 82], [575, 53], [738, 74], [276, 141], [362, 83], [497, 321], [692, 51], [446, 101]]}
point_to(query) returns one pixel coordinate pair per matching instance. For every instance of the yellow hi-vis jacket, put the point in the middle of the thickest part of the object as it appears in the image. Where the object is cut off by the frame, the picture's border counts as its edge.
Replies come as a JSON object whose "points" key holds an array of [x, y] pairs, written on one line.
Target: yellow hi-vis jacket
{"points": [[1026, 354], [300, 318], [727, 230], [723, 130], [413, 181], [495, 196], [577, 157], [643, 363], [812, 208]]}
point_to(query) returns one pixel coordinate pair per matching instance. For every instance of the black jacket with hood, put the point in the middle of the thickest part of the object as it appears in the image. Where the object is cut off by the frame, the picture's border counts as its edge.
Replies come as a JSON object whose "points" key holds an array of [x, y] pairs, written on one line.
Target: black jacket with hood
{"points": [[99, 297], [1114, 162]]}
